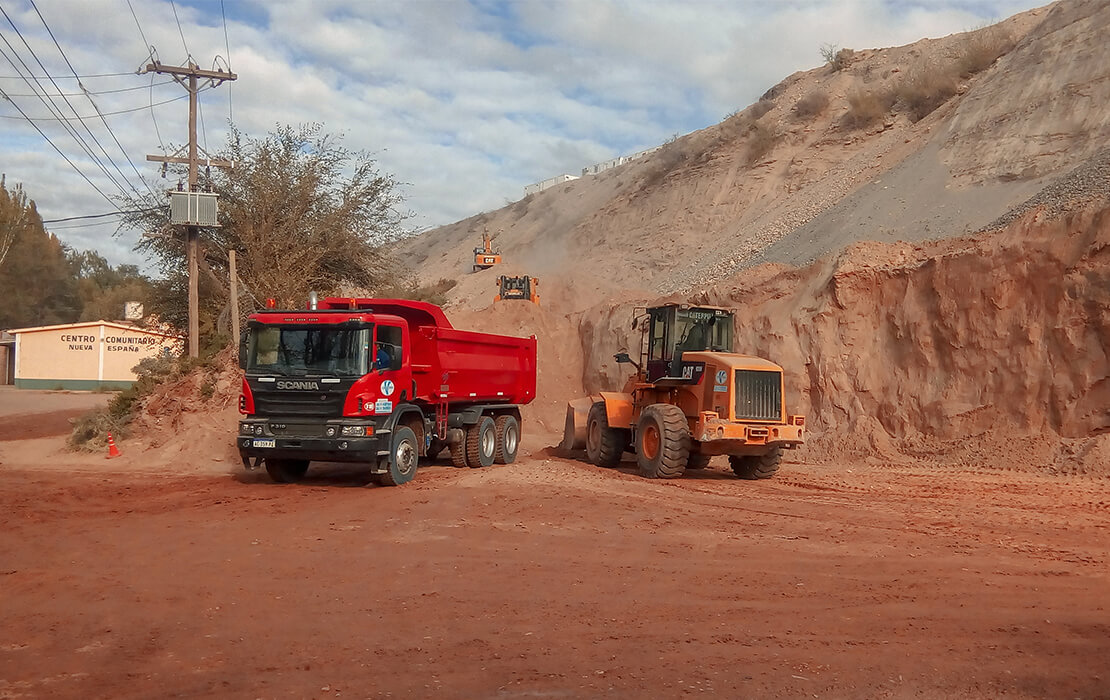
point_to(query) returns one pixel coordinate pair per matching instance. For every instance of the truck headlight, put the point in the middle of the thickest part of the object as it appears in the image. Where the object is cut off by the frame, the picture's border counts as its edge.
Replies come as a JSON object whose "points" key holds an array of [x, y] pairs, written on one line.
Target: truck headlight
{"points": [[245, 429], [354, 430], [330, 432]]}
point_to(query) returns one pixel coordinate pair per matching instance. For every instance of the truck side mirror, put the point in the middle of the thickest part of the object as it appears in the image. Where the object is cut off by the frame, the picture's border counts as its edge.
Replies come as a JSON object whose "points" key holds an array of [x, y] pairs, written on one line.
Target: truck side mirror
{"points": [[243, 338]]}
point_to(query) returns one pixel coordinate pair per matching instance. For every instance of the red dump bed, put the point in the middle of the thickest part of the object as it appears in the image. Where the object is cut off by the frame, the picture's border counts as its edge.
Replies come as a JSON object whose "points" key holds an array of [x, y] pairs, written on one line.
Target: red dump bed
{"points": [[453, 365]]}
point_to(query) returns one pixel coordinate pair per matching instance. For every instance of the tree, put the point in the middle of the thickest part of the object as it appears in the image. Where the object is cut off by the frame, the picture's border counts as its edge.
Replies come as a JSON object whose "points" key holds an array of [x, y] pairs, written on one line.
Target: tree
{"points": [[35, 279], [15, 215], [302, 213], [103, 290]]}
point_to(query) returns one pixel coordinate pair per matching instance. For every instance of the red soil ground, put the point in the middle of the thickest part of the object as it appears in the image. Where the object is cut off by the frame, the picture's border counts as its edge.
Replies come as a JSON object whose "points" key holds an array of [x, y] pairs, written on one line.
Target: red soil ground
{"points": [[549, 578]]}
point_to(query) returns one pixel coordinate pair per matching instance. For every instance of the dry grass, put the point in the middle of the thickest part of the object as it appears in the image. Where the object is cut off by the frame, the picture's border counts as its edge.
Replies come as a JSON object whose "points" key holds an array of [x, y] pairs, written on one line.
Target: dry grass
{"points": [[761, 141], [865, 107], [981, 49], [837, 58], [812, 104], [925, 89]]}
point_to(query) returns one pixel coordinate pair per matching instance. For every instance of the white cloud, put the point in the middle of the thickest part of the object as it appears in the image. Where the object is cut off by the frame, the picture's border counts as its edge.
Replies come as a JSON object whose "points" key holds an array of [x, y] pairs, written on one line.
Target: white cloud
{"points": [[465, 102]]}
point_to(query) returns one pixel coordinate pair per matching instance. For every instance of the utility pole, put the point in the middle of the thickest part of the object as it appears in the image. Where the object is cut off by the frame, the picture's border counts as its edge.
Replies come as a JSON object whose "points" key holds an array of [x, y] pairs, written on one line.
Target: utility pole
{"points": [[189, 77], [234, 276]]}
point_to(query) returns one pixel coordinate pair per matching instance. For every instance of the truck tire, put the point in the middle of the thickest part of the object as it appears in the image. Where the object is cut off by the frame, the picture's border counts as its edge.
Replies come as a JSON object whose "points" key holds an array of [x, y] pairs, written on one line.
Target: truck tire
{"points": [[757, 466], [604, 445], [481, 442], [458, 453], [662, 442], [697, 462], [404, 456], [286, 471], [508, 439]]}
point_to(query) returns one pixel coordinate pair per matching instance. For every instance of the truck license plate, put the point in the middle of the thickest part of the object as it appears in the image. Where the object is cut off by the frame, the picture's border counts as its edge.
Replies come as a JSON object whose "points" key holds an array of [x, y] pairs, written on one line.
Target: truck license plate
{"points": [[263, 443]]}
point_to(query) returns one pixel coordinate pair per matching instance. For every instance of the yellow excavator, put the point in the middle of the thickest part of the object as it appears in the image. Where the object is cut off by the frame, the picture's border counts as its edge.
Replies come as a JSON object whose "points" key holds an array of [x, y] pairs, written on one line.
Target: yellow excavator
{"points": [[486, 257], [691, 398]]}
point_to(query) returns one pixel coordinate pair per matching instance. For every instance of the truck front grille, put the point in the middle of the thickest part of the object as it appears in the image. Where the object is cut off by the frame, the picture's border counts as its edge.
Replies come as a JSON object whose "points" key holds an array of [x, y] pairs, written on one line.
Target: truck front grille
{"points": [[298, 403], [758, 395]]}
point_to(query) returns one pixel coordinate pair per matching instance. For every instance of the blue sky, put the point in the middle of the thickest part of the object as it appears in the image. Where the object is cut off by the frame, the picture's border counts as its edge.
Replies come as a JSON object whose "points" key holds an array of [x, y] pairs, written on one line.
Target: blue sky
{"points": [[464, 102]]}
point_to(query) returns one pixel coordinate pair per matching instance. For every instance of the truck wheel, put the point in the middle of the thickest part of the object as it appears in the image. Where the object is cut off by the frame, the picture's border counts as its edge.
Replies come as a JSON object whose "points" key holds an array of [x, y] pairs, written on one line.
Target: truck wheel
{"points": [[604, 445], [662, 442], [481, 443], [403, 458], [757, 466], [508, 439], [458, 453], [697, 462], [286, 471]]}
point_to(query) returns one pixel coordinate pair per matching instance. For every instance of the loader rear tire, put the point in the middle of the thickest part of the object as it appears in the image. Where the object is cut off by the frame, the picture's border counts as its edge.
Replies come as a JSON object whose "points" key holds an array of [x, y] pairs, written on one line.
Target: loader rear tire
{"points": [[662, 442], [697, 462], [507, 429], [481, 443], [286, 471], [757, 466], [604, 445]]}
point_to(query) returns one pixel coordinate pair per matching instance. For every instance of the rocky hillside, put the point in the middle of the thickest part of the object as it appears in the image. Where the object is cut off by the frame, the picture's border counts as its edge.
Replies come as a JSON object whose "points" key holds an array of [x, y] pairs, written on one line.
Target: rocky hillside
{"points": [[923, 141]]}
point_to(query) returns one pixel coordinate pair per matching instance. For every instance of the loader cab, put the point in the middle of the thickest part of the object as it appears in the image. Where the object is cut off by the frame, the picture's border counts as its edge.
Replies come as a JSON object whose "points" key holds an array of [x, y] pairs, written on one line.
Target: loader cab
{"points": [[676, 329]]}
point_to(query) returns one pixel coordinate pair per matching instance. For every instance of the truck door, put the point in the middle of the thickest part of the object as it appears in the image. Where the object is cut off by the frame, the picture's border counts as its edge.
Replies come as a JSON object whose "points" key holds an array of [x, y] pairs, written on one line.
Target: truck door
{"points": [[392, 362]]}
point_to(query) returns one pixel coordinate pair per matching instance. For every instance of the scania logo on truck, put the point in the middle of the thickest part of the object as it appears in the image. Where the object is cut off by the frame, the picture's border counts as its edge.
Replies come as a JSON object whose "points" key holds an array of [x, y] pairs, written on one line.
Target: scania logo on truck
{"points": [[301, 386]]}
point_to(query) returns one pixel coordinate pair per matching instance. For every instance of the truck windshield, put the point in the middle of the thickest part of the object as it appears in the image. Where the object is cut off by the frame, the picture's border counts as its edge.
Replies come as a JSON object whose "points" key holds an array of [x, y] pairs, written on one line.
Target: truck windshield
{"points": [[300, 350]]}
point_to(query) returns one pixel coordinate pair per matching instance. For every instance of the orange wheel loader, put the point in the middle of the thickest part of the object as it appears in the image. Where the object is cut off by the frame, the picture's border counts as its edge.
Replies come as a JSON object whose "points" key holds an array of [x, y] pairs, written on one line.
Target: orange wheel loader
{"points": [[691, 398]]}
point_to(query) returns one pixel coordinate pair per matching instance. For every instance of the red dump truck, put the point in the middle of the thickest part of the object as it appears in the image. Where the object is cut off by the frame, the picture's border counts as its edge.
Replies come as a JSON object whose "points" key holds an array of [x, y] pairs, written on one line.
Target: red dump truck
{"points": [[380, 382]]}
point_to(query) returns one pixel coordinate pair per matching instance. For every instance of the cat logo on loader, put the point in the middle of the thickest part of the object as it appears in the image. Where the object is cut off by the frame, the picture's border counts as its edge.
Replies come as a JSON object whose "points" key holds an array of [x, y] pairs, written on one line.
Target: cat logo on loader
{"points": [[691, 398]]}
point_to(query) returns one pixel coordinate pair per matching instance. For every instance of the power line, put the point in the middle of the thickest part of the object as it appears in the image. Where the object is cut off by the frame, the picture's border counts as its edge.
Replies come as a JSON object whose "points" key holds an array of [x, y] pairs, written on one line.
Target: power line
{"points": [[146, 44], [90, 92], [51, 108], [227, 47], [180, 31], [107, 114], [63, 155], [80, 77], [80, 139], [102, 119], [101, 216]]}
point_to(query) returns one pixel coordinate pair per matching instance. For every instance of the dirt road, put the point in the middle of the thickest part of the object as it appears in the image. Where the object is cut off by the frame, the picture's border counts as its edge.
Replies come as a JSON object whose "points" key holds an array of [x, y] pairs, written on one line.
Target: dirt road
{"points": [[551, 578]]}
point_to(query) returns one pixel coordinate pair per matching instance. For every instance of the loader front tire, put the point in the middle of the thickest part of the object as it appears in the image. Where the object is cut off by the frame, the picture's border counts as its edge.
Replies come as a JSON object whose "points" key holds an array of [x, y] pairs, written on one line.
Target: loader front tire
{"points": [[604, 445], [662, 442], [757, 466]]}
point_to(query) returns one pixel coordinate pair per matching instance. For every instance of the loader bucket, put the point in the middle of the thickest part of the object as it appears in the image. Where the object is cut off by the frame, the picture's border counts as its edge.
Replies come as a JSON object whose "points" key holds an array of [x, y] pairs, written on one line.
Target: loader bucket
{"points": [[574, 430]]}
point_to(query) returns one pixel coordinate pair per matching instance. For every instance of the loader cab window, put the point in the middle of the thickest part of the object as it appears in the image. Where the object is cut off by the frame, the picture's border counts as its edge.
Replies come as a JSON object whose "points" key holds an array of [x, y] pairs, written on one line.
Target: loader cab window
{"points": [[673, 331], [387, 348]]}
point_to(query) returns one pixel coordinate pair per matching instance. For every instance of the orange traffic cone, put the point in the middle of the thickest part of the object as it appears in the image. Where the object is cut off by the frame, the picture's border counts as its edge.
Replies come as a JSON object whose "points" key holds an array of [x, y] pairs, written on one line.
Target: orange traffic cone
{"points": [[113, 451]]}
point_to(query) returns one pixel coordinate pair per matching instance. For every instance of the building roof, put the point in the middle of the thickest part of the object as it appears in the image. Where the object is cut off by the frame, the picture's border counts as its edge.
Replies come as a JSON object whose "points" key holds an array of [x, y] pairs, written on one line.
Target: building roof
{"points": [[90, 324]]}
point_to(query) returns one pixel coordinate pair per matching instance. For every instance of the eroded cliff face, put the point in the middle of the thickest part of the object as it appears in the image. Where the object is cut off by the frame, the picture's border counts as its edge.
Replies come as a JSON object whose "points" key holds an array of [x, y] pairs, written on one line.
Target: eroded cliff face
{"points": [[994, 350]]}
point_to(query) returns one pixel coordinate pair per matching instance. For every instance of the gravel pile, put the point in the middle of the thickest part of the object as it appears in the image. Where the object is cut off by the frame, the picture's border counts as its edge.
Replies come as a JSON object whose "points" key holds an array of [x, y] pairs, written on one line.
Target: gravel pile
{"points": [[1087, 182]]}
